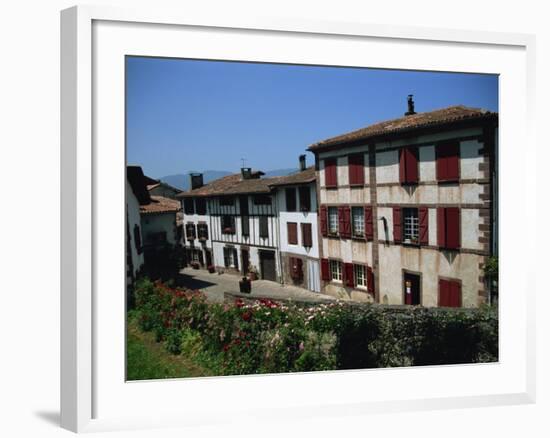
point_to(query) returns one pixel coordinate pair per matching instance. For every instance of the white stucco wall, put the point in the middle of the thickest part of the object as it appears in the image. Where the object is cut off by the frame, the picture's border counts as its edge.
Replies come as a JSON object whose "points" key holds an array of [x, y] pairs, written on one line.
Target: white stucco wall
{"points": [[132, 208], [298, 217]]}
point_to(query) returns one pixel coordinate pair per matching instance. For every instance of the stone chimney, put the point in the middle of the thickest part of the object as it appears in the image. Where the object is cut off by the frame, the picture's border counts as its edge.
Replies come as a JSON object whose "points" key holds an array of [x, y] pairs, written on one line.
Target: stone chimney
{"points": [[410, 105], [302, 159], [196, 180], [246, 172]]}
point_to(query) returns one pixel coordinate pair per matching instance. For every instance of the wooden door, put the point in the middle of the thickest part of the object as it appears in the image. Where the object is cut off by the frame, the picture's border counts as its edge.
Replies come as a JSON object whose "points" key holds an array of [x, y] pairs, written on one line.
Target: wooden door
{"points": [[267, 265], [411, 288], [245, 257]]}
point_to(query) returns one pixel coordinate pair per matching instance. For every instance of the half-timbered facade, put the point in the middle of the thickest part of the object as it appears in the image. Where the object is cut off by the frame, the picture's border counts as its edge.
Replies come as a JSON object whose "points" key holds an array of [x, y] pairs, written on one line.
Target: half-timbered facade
{"points": [[406, 208], [238, 214]]}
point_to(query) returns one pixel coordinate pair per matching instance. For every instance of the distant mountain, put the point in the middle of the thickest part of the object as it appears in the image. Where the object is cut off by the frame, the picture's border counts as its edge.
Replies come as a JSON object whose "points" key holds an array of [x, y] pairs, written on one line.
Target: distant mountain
{"points": [[181, 181]]}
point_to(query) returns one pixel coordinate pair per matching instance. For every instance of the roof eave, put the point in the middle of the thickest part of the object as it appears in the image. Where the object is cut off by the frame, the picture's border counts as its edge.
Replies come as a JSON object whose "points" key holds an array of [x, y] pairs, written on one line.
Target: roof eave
{"points": [[404, 133]]}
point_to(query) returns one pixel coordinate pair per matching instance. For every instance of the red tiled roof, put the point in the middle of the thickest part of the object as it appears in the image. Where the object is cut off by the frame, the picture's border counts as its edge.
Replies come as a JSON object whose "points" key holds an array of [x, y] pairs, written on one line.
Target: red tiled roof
{"points": [[445, 116], [160, 204], [302, 177], [230, 185]]}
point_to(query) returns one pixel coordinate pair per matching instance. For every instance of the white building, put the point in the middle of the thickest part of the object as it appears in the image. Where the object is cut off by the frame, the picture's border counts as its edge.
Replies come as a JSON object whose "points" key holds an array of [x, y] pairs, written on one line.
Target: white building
{"points": [[231, 223], [136, 195], [296, 198], [158, 221], [407, 208]]}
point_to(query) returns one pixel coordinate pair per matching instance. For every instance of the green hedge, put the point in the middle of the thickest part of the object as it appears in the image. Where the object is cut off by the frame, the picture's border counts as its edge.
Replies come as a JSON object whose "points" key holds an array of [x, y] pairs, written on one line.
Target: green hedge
{"points": [[270, 337]]}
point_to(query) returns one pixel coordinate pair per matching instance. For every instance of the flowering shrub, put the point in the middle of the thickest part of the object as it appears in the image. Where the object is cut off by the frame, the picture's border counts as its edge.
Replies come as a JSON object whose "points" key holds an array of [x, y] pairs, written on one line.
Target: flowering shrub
{"points": [[265, 336]]}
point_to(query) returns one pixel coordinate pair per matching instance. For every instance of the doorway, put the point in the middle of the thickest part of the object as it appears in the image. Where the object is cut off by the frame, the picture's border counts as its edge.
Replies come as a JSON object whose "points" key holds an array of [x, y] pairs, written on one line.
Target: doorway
{"points": [[245, 258], [411, 288], [267, 265]]}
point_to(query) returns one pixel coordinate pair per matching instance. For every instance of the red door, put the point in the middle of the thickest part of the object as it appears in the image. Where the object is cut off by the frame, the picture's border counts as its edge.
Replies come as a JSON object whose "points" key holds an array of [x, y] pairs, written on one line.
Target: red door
{"points": [[450, 293]]}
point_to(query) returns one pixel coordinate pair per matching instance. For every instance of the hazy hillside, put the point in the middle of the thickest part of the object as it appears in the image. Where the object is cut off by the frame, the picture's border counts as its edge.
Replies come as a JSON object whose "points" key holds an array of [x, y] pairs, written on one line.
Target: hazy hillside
{"points": [[181, 181]]}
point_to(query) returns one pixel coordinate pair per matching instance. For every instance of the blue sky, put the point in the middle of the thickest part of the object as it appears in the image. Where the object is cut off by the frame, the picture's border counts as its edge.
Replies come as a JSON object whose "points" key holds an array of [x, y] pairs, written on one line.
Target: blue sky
{"points": [[187, 115]]}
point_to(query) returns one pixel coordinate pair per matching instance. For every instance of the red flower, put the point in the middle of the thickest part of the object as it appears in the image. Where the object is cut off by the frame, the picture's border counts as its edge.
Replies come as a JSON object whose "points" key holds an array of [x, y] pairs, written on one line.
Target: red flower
{"points": [[247, 316], [239, 302], [226, 347]]}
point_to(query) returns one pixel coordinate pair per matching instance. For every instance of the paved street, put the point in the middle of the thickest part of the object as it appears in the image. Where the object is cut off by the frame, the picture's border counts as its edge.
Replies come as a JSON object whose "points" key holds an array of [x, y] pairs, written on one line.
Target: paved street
{"points": [[214, 286]]}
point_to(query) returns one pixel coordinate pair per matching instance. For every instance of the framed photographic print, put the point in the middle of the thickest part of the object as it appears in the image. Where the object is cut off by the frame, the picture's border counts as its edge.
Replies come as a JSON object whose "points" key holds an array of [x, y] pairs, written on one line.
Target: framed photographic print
{"points": [[318, 217]]}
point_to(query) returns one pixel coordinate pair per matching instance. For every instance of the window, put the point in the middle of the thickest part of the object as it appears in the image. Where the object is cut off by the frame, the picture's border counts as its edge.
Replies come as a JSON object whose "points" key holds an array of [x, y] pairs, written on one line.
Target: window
{"points": [[450, 293], [189, 206], [200, 204], [262, 200], [332, 220], [360, 274], [227, 201], [447, 161], [305, 198], [228, 224], [137, 239], [264, 228], [245, 225], [190, 231], [230, 259], [306, 235], [410, 225], [290, 199], [356, 169], [296, 271], [292, 233], [448, 227], [335, 270], [330, 173], [408, 165], [202, 231], [358, 221]]}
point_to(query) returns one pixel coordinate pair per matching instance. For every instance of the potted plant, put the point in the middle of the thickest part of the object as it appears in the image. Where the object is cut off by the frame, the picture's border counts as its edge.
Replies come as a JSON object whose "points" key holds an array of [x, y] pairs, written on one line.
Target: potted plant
{"points": [[195, 265], [211, 269], [252, 273], [245, 286]]}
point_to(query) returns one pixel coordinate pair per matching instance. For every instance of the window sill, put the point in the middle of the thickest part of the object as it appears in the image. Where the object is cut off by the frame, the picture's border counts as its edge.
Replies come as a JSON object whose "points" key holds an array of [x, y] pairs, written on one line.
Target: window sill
{"points": [[409, 183], [357, 185], [444, 182], [331, 187]]}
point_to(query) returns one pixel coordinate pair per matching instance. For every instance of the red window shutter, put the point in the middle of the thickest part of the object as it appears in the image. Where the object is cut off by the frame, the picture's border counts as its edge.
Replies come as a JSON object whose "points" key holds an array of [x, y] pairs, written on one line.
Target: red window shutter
{"points": [[453, 161], [325, 271], [330, 173], [441, 233], [356, 169], [348, 275], [341, 221], [306, 235], [292, 231], [408, 165], [370, 280], [344, 222], [402, 169], [443, 293], [299, 267], [323, 220], [368, 223], [397, 228], [447, 161], [423, 225], [452, 227], [411, 164], [455, 298]]}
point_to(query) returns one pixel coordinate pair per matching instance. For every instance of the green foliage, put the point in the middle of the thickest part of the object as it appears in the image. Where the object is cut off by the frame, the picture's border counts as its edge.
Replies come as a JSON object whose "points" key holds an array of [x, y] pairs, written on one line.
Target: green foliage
{"points": [[270, 337], [491, 268]]}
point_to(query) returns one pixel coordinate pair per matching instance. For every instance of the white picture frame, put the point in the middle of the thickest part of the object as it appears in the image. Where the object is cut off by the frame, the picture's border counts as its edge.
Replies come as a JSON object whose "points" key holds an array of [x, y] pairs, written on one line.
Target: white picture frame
{"points": [[93, 397]]}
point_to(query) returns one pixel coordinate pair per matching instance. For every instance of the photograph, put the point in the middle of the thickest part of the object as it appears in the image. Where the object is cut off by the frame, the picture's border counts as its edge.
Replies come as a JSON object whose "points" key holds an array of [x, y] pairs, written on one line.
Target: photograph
{"points": [[307, 218]]}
